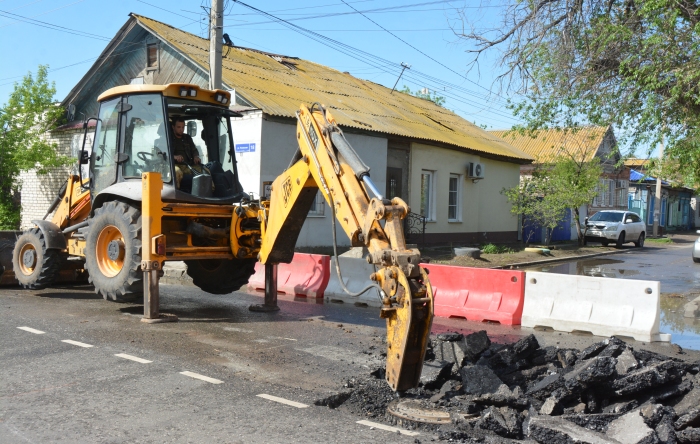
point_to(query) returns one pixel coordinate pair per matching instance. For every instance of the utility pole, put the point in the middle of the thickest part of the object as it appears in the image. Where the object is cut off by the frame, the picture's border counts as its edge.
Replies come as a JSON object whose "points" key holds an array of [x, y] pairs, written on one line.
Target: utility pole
{"points": [[216, 26], [405, 67], [657, 195]]}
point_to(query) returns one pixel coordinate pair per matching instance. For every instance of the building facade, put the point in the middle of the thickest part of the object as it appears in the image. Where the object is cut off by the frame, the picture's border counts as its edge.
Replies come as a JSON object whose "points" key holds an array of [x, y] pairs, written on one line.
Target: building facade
{"points": [[416, 150]]}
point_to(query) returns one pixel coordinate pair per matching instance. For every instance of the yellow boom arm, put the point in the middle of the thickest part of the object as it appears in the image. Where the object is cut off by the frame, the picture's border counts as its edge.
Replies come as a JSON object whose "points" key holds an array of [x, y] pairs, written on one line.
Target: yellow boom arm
{"points": [[326, 161]]}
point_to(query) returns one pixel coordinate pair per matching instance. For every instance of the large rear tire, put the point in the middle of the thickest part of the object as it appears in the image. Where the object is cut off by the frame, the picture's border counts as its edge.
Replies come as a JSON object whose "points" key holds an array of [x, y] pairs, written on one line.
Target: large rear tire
{"points": [[113, 252], [640, 241], [35, 266], [220, 276]]}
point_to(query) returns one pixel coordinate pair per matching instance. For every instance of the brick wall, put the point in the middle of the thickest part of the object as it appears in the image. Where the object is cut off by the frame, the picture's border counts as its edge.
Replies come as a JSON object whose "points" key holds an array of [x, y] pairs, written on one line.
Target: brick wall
{"points": [[38, 191]]}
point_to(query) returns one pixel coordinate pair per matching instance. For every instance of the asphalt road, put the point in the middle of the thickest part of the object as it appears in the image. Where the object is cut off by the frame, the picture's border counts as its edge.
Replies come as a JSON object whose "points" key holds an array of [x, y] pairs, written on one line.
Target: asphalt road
{"points": [[56, 391]]}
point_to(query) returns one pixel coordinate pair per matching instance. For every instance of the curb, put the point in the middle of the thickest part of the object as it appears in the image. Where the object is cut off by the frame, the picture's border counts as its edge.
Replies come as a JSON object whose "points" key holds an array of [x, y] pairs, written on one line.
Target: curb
{"points": [[556, 259]]}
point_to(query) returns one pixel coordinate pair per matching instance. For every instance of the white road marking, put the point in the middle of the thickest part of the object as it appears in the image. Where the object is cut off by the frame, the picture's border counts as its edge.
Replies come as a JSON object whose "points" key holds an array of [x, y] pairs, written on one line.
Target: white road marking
{"points": [[376, 425], [298, 405], [133, 358], [202, 377], [32, 330], [79, 344]]}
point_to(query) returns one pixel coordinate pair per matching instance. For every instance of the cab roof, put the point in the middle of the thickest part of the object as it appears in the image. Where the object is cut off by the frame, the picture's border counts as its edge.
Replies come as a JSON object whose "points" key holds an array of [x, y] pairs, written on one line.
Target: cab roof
{"points": [[171, 90]]}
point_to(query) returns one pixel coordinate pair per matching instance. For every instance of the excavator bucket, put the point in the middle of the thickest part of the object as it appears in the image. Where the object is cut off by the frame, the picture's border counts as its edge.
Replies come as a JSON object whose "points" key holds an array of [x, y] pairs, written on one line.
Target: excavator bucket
{"points": [[408, 323]]}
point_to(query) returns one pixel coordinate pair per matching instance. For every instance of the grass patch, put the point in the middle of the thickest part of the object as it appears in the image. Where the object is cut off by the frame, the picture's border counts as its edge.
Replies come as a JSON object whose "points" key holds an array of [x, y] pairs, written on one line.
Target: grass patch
{"points": [[661, 240], [496, 249]]}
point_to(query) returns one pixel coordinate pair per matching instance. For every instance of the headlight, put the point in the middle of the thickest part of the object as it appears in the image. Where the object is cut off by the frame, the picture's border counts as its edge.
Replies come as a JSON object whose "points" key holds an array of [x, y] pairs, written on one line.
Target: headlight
{"points": [[611, 228]]}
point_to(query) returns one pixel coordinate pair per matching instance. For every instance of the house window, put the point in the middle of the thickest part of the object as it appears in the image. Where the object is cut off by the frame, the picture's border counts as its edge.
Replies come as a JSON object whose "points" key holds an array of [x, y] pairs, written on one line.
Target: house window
{"points": [[611, 193], [318, 208], [427, 190], [453, 199], [152, 56]]}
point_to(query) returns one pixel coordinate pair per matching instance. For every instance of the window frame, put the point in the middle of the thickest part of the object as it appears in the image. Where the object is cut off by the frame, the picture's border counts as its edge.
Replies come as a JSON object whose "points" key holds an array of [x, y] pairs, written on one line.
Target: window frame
{"points": [[431, 210], [318, 208], [458, 198], [156, 66]]}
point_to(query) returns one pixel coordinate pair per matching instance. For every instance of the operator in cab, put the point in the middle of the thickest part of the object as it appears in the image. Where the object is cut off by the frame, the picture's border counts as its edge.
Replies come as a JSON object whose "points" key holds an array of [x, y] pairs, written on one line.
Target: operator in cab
{"points": [[185, 155]]}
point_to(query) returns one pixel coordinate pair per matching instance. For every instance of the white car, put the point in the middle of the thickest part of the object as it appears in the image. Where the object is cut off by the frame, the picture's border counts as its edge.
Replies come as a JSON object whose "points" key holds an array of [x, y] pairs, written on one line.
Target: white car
{"points": [[696, 249], [615, 226]]}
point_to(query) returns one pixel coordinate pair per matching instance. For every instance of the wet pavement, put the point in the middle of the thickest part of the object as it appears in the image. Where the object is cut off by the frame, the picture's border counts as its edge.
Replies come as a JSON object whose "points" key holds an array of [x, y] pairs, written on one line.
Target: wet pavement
{"points": [[672, 265]]}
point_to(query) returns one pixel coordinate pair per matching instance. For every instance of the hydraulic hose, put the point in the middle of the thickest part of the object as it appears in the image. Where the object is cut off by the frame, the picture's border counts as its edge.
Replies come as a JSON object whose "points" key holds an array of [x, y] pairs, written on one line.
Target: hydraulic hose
{"points": [[337, 264]]}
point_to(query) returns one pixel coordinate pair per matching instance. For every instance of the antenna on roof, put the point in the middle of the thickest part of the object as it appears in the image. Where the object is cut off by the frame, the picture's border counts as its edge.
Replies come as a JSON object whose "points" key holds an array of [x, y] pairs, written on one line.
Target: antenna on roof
{"points": [[405, 67]]}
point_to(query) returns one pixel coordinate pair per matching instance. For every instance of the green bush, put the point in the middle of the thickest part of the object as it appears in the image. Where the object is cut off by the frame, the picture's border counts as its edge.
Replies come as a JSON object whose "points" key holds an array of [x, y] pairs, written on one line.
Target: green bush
{"points": [[495, 249]]}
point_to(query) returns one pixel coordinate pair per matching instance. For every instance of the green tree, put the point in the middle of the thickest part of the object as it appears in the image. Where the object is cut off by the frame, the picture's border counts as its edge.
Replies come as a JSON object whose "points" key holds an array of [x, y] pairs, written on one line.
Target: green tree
{"points": [[430, 95], [28, 114], [630, 63], [565, 182]]}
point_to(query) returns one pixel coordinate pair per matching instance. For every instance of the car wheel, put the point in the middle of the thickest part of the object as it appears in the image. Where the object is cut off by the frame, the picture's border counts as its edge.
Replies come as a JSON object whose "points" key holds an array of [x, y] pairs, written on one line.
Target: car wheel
{"points": [[696, 260], [640, 241], [620, 240]]}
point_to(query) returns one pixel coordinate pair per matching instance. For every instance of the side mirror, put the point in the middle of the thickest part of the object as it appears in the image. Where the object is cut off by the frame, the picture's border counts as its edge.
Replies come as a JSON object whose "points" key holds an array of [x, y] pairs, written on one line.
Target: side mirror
{"points": [[84, 158]]}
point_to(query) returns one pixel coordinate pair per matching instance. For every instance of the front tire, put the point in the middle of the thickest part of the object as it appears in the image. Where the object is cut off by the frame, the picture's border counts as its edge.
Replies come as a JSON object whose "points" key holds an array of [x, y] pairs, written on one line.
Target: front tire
{"points": [[113, 252], [220, 276], [620, 240], [640, 241], [35, 266]]}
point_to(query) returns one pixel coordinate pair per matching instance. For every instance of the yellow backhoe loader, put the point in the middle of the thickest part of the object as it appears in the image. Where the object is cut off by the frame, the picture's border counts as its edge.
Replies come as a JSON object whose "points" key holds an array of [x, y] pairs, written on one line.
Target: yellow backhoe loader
{"points": [[144, 203]]}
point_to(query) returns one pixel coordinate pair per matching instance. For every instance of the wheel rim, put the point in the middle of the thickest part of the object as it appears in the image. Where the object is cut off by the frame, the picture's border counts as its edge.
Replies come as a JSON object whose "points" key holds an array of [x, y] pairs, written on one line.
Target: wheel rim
{"points": [[27, 259], [109, 264]]}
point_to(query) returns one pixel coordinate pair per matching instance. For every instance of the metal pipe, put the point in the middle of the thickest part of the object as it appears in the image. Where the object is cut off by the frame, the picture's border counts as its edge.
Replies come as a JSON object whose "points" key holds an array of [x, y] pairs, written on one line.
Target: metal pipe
{"points": [[151, 294], [368, 182], [75, 227]]}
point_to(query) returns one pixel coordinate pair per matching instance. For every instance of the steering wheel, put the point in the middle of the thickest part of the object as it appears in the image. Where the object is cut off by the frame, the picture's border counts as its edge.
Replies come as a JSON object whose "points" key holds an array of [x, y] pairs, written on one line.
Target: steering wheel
{"points": [[145, 156]]}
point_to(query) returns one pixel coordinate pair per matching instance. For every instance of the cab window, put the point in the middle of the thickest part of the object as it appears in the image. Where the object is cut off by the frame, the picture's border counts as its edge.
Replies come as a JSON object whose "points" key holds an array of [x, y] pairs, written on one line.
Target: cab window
{"points": [[145, 139], [104, 153]]}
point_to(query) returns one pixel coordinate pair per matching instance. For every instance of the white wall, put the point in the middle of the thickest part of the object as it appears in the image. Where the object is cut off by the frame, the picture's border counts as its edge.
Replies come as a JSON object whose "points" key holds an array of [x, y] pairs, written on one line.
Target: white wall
{"points": [[247, 130], [278, 146]]}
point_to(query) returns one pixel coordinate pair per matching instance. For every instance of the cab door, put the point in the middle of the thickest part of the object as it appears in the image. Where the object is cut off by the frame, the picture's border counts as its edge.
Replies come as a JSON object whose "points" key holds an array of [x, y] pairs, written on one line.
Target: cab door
{"points": [[103, 161]]}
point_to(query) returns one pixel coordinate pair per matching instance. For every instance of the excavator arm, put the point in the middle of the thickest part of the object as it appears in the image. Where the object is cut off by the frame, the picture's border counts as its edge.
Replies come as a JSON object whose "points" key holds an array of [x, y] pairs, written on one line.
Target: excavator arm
{"points": [[325, 161]]}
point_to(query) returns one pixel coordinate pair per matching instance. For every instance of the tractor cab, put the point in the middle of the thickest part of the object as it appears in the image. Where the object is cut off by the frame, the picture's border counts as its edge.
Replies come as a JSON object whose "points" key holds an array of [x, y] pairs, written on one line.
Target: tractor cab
{"points": [[134, 134]]}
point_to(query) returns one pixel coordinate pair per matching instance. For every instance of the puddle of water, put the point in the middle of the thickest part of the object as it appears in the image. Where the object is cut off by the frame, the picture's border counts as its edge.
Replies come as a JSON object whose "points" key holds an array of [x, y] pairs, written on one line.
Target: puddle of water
{"points": [[590, 267], [684, 331]]}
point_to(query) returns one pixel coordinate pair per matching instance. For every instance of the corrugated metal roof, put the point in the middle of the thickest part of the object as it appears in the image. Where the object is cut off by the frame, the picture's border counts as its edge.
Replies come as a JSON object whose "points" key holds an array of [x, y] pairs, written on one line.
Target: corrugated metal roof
{"points": [[279, 84], [633, 162], [545, 145]]}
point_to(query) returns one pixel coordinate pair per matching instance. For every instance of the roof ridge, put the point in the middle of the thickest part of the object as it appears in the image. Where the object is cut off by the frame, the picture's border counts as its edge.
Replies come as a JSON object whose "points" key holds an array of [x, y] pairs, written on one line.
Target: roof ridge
{"points": [[271, 54]]}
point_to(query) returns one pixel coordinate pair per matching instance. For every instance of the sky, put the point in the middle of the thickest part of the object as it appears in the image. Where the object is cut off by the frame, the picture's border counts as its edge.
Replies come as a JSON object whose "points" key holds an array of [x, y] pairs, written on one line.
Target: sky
{"points": [[68, 35]]}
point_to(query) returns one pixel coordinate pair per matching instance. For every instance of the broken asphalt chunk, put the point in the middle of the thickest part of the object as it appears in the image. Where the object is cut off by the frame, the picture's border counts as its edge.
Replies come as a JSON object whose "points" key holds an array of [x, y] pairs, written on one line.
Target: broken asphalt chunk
{"points": [[479, 380], [626, 362], [688, 436], [655, 375], [591, 372], [435, 373], [555, 430], [690, 419], [631, 429]]}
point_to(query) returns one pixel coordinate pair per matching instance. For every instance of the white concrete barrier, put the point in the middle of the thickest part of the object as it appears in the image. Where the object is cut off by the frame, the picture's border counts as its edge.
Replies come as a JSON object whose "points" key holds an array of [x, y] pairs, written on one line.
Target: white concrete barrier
{"points": [[601, 306], [356, 273]]}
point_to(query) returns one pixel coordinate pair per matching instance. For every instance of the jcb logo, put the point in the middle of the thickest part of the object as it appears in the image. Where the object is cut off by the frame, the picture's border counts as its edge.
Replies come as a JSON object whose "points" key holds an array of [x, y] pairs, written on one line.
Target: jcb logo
{"points": [[287, 190]]}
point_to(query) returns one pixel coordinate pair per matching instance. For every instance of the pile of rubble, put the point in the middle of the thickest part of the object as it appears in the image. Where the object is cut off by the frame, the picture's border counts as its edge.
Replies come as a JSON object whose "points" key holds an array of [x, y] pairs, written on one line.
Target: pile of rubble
{"points": [[475, 391]]}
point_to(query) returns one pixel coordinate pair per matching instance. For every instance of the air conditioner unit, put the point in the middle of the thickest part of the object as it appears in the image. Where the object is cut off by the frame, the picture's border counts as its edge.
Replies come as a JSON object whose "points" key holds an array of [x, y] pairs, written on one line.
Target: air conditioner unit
{"points": [[475, 170]]}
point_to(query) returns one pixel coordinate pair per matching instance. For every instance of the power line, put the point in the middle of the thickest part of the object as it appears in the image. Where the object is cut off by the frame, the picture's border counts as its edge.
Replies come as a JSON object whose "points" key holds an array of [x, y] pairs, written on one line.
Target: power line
{"points": [[368, 58], [405, 42]]}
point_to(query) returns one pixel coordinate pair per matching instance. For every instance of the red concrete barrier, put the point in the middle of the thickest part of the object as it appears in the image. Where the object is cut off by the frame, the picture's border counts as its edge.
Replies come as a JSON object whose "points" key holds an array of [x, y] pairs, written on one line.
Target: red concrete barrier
{"points": [[478, 294], [306, 276]]}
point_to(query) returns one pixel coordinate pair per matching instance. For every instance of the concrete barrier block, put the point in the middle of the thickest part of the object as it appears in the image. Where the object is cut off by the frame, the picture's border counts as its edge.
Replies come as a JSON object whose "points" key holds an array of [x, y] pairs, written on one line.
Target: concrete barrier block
{"points": [[356, 273], [601, 306], [306, 276], [477, 294]]}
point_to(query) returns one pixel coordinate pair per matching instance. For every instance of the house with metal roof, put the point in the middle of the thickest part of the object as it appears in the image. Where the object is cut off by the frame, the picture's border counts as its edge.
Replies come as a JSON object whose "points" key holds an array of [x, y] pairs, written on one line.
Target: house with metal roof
{"points": [[447, 169], [583, 145]]}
